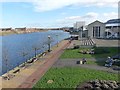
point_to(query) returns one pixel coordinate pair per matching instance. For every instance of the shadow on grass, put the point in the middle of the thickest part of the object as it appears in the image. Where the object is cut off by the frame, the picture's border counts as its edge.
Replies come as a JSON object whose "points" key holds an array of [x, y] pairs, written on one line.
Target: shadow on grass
{"points": [[97, 62], [105, 52], [100, 56]]}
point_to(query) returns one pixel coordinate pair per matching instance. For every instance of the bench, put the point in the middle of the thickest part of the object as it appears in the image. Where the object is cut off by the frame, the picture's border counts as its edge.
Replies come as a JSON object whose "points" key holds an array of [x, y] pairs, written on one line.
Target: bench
{"points": [[8, 77], [17, 70]]}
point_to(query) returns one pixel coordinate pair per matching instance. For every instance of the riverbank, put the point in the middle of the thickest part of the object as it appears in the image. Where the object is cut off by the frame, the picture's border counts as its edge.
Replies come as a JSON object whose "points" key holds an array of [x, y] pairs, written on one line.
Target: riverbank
{"points": [[3, 33], [31, 73]]}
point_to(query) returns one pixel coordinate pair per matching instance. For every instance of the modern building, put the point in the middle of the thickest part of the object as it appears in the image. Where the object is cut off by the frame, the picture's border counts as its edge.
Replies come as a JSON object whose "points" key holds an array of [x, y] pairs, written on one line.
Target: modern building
{"points": [[78, 28], [96, 29], [79, 25], [112, 28]]}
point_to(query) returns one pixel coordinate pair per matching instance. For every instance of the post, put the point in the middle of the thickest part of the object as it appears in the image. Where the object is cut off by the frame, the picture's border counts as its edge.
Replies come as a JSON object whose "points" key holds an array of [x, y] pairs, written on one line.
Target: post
{"points": [[35, 52], [49, 43], [57, 39]]}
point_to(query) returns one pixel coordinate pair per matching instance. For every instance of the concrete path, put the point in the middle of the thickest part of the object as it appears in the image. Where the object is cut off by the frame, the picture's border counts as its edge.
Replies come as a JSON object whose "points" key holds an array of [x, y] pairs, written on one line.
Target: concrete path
{"points": [[72, 63], [107, 43], [29, 76], [98, 42]]}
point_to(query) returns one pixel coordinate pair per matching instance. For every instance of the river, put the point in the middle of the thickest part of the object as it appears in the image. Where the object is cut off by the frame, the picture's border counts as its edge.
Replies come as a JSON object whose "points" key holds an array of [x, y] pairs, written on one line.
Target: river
{"points": [[13, 46]]}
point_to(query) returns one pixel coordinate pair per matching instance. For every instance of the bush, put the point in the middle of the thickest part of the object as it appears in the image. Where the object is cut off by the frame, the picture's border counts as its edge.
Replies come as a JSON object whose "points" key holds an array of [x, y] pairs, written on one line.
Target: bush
{"points": [[76, 47], [117, 63]]}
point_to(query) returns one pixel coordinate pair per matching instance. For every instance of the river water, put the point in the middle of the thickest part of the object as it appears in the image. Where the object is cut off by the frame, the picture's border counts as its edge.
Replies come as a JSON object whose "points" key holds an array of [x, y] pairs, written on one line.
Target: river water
{"points": [[12, 47]]}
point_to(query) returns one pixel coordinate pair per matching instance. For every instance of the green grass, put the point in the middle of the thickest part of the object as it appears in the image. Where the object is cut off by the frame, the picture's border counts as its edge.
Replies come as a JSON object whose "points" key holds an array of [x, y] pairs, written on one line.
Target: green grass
{"points": [[68, 77], [74, 53], [101, 63], [3, 33]]}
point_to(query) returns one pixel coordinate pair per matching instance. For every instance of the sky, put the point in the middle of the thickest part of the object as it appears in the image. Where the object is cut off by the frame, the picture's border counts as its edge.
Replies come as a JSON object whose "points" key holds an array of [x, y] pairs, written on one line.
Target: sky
{"points": [[55, 13]]}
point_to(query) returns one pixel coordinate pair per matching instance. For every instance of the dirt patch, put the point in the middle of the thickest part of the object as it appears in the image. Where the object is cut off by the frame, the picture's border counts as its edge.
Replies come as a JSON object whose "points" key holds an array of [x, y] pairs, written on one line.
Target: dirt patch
{"points": [[99, 85]]}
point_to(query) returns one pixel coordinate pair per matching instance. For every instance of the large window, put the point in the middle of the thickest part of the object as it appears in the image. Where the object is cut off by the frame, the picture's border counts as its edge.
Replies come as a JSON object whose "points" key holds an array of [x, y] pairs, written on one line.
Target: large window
{"points": [[96, 31], [93, 32]]}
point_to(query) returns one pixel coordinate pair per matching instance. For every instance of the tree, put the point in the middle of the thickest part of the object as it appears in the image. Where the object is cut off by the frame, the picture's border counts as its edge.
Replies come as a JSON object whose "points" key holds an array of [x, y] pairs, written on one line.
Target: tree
{"points": [[24, 53], [5, 58], [35, 48], [38, 47]]}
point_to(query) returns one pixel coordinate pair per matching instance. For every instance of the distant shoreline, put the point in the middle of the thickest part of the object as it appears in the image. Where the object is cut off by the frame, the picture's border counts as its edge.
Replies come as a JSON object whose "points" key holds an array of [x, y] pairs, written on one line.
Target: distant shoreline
{"points": [[4, 33]]}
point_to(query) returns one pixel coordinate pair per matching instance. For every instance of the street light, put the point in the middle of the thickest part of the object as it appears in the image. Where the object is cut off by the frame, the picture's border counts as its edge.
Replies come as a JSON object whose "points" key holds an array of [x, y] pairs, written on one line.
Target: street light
{"points": [[57, 39], [80, 33], [49, 37]]}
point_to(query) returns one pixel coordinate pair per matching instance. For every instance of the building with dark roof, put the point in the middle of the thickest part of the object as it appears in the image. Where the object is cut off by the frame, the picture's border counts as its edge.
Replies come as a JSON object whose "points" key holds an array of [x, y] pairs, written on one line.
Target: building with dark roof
{"points": [[5, 29], [112, 28], [113, 23], [109, 29]]}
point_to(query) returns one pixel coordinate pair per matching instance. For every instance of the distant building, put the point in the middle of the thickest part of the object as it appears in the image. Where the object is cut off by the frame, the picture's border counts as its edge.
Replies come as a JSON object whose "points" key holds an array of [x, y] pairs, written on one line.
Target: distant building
{"points": [[5, 29], [79, 25], [85, 33], [67, 29], [78, 28], [96, 29], [20, 29]]}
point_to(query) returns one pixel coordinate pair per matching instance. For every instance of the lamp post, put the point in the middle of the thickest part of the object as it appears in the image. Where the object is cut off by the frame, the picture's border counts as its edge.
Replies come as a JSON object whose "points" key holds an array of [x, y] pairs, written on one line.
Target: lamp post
{"points": [[57, 39], [80, 33], [49, 43]]}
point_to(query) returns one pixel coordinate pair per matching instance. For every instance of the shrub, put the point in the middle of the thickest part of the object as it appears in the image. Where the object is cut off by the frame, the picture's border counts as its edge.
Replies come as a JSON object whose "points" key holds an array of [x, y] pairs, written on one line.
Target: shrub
{"points": [[76, 47]]}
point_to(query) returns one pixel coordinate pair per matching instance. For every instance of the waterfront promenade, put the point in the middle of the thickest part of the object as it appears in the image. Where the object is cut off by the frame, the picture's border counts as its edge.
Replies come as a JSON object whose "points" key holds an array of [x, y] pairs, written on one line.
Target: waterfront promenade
{"points": [[27, 77]]}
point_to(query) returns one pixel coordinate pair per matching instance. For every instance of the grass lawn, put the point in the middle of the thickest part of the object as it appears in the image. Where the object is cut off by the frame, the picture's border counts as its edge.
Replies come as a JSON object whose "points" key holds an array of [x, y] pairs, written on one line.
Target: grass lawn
{"points": [[74, 53], [101, 63], [6, 33], [68, 77]]}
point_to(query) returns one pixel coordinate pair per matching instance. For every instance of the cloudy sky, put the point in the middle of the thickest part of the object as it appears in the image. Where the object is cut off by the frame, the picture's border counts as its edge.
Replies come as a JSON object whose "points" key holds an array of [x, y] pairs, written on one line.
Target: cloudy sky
{"points": [[55, 13]]}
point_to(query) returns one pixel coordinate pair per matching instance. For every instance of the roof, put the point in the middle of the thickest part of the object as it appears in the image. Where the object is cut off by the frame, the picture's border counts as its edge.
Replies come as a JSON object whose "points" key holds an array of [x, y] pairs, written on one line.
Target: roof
{"points": [[113, 21], [94, 22], [113, 24]]}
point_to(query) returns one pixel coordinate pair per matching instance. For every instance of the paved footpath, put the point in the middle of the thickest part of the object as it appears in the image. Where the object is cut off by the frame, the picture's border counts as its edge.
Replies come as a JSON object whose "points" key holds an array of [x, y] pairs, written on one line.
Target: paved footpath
{"points": [[28, 77], [72, 63]]}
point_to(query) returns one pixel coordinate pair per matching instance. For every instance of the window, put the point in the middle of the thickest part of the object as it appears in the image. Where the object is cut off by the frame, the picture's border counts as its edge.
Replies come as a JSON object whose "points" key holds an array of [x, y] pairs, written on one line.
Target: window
{"points": [[96, 31], [93, 31], [99, 31]]}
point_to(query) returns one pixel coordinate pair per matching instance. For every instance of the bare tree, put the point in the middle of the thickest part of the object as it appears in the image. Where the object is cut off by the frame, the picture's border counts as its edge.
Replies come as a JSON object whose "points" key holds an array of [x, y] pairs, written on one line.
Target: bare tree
{"points": [[5, 58], [24, 53], [36, 48]]}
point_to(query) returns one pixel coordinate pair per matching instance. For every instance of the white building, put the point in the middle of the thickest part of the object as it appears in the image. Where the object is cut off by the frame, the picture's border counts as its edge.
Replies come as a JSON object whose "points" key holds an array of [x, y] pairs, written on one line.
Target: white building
{"points": [[96, 29], [79, 25]]}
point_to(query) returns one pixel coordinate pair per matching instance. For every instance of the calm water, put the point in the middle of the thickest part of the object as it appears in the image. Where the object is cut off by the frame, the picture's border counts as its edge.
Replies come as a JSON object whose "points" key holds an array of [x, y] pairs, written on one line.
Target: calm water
{"points": [[13, 46]]}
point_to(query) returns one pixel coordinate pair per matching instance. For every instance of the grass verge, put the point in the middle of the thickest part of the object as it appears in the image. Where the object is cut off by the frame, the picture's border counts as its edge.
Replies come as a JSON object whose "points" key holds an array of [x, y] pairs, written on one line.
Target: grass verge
{"points": [[74, 53], [68, 77]]}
